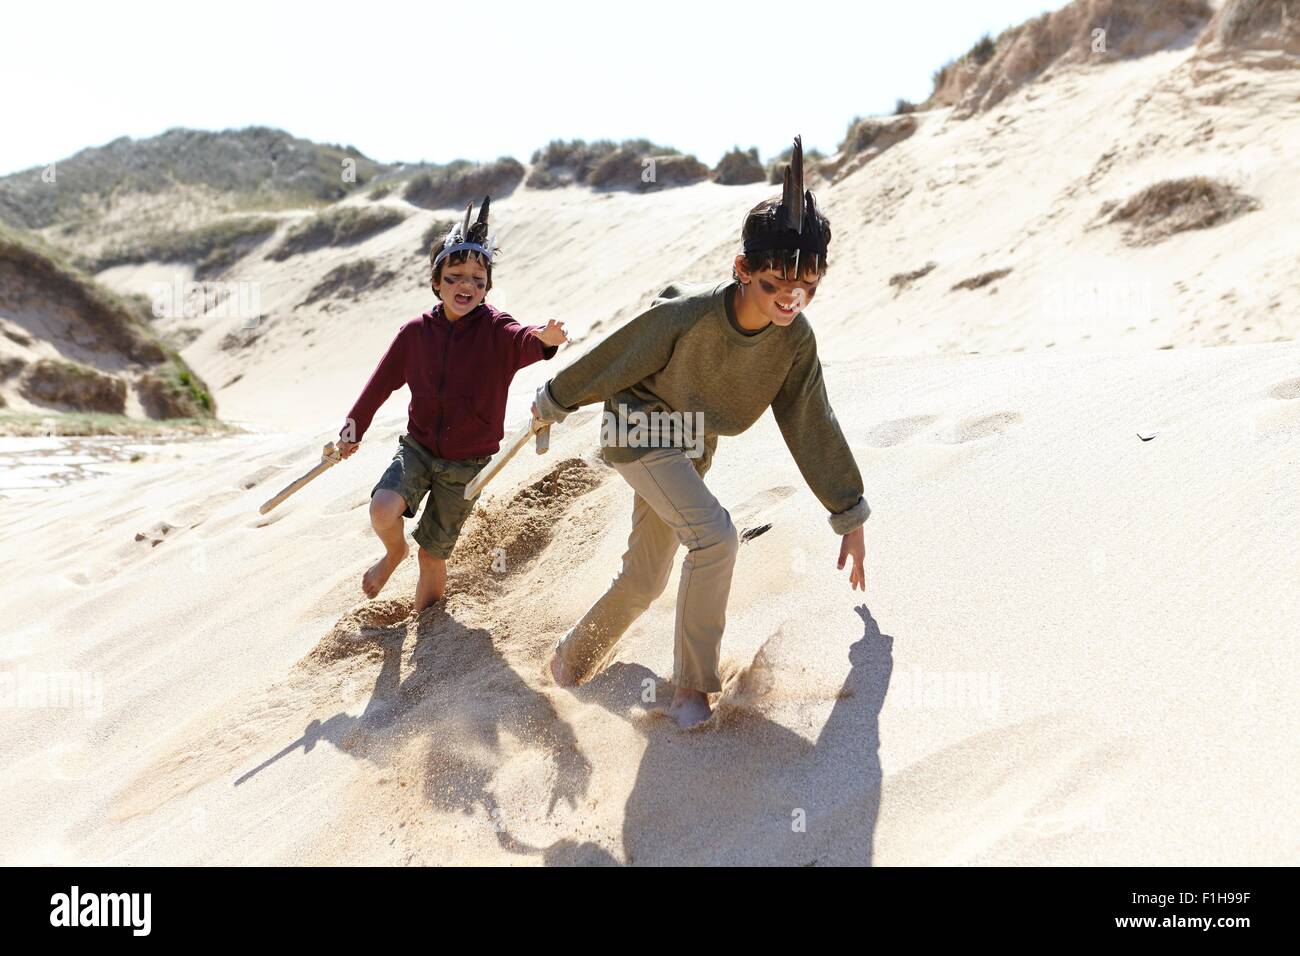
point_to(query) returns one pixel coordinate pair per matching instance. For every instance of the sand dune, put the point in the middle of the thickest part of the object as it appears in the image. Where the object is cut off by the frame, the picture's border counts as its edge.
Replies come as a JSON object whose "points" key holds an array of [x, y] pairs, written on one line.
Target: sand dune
{"points": [[1077, 644], [1020, 188]]}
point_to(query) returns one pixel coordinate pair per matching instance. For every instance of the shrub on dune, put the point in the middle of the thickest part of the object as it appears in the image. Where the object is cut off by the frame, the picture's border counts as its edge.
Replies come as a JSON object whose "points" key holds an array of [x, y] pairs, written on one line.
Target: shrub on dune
{"points": [[562, 163], [632, 165], [632, 169], [76, 386], [739, 167], [212, 248], [1177, 205], [336, 227], [453, 185]]}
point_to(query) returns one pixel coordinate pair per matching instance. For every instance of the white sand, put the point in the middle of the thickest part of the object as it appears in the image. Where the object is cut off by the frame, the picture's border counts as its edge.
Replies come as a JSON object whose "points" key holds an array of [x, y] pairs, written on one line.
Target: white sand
{"points": [[1075, 646]]}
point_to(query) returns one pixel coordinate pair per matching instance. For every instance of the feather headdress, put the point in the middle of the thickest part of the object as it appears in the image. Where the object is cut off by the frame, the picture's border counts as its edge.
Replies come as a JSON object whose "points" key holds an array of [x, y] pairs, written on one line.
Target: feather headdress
{"points": [[475, 239], [794, 228]]}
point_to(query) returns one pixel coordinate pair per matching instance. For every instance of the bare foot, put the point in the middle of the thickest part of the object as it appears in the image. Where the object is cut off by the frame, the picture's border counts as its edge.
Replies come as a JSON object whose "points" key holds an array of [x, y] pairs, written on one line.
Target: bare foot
{"points": [[424, 602], [373, 581], [432, 585], [562, 675], [689, 707]]}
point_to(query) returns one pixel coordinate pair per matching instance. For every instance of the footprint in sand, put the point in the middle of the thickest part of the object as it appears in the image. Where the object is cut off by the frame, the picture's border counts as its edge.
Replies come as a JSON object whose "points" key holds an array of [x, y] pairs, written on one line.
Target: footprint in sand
{"points": [[1278, 422], [142, 543], [973, 429], [379, 615], [344, 504], [1286, 391], [752, 509], [155, 535], [349, 501], [259, 476], [891, 433]]}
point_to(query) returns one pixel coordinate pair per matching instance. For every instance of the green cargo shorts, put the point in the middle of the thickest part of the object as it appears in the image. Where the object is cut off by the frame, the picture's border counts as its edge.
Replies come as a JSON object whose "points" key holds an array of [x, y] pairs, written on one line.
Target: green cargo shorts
{"points": [[414, 473]]}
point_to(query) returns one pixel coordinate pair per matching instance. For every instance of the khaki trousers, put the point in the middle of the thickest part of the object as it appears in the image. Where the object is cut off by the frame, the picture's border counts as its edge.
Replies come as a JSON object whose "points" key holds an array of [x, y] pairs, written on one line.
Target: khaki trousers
{"points": [[672, 506]]}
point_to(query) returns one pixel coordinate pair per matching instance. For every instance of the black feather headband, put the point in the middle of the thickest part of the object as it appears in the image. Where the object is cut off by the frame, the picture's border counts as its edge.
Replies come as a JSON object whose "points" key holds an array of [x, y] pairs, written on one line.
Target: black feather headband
{"points": [[795, 226], [459, 236]]}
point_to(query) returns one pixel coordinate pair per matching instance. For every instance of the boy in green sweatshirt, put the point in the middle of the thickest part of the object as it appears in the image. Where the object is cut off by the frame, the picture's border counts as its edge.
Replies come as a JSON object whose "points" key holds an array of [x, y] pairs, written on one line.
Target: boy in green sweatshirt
{"points": [[706, 361]]}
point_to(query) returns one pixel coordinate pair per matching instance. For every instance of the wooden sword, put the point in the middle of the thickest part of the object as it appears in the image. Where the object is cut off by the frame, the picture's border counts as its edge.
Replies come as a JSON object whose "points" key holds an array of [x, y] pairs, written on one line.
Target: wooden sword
{"points": [[507, 451], [329, 457]]}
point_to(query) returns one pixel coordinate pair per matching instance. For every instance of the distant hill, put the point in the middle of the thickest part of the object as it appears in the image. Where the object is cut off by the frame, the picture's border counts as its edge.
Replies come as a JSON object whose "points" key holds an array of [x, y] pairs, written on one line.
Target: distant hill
{"points": [[263, 167]]}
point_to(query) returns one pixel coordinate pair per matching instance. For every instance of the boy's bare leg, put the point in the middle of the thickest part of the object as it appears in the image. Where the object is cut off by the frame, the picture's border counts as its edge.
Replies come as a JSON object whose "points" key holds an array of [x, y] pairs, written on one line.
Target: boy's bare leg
{"points": [[433, 580], [386, 511]]}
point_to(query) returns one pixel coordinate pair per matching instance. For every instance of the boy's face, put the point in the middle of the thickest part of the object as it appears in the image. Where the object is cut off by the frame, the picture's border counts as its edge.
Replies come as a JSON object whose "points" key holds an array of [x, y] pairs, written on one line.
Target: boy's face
{"points": [[778, 298], [462, 286]]}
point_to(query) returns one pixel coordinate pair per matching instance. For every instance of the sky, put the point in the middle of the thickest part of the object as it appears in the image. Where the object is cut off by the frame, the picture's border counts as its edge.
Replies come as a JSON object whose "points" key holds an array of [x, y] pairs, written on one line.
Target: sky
{"points": [[436, 81]]}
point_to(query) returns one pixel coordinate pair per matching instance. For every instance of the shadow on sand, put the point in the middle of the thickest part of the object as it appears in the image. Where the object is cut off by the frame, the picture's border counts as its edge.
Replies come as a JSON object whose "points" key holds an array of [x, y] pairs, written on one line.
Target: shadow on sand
{"points": [[742, 790], [737, 794], [460, 694]]}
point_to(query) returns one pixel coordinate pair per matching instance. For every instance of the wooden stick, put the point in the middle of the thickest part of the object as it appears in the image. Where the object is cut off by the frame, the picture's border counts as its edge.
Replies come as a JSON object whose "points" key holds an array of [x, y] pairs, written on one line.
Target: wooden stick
{"points": [[329, 457], [515, 442]]}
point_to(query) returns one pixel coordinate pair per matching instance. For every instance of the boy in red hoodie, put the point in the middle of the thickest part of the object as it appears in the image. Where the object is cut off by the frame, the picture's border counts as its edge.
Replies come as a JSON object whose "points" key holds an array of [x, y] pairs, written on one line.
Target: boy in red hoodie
{"points": [[458, 359]]}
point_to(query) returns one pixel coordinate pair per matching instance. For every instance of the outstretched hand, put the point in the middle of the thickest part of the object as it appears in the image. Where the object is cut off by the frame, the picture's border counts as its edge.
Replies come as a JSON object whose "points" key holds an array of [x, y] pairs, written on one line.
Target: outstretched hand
{"points": [[854, 544], [346, 448], [553, 334]]}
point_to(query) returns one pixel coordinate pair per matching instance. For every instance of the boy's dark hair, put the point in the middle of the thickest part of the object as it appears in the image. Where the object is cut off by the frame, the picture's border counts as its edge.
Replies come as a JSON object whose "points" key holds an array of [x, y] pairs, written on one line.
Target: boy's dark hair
{"points": [[764, 220]]}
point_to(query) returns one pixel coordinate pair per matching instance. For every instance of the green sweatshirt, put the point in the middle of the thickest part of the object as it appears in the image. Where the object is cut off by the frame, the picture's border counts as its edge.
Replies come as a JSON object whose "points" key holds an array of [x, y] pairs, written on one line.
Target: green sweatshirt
{"points": [[684, 356]]}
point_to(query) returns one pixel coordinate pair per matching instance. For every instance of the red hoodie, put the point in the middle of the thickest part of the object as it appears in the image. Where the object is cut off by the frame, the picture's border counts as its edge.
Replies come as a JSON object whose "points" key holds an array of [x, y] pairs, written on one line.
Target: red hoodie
{"points": [[459, 373]]}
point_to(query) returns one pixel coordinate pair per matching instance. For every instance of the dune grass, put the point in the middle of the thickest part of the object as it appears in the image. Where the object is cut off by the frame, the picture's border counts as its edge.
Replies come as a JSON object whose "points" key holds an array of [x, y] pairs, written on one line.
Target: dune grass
{"points": [[342, 226], [460, 182], [1178, 205], [211, 249]]}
